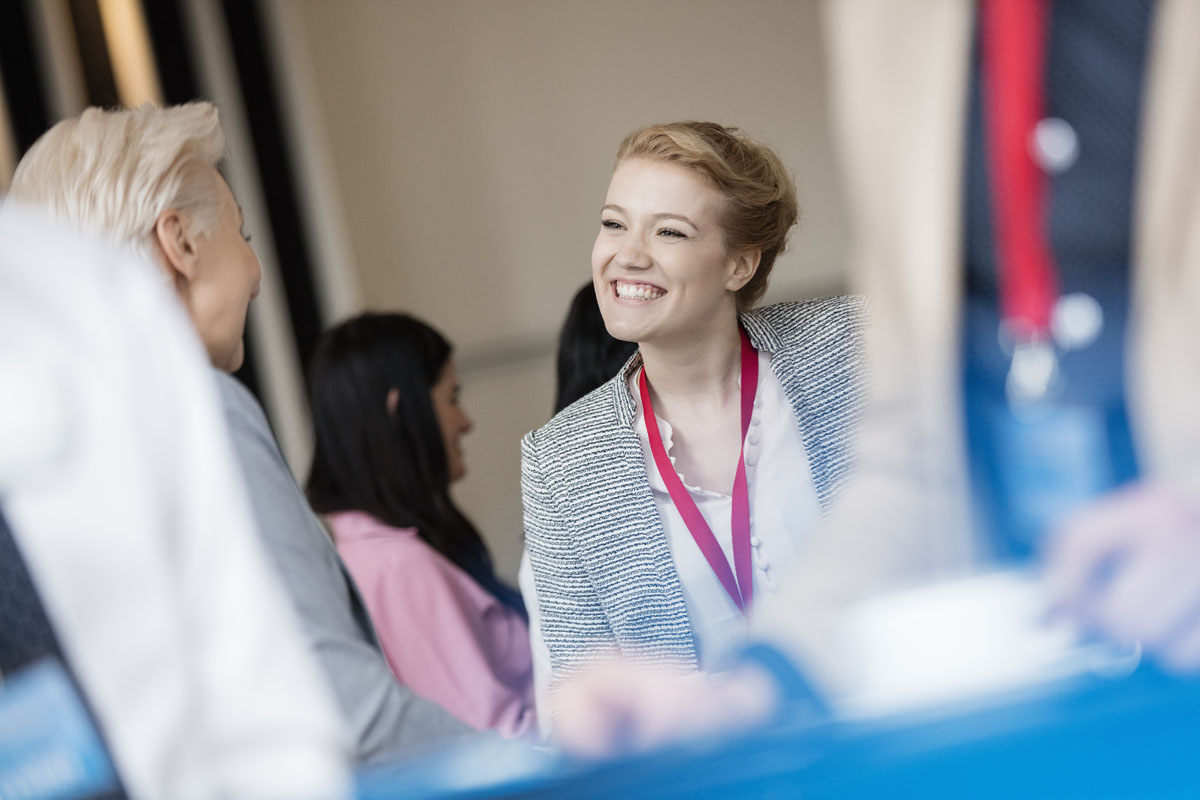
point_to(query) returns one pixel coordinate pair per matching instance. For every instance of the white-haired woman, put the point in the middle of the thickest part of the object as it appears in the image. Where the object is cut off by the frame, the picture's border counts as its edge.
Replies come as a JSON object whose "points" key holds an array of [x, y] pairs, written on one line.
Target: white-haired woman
{"points": [[148, 178], [229, 703]]}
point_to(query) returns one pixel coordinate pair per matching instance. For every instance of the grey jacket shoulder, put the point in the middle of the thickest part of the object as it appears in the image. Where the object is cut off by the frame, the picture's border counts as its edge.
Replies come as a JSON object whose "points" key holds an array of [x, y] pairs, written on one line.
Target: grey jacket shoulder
{"points": [[820, 360], [241, 407], [793, 321], [600, 403], [387, 719]]}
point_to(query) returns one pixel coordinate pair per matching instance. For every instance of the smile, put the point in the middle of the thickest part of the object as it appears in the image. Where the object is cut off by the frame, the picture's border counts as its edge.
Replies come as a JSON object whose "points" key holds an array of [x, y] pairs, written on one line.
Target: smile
{"points": [[637, 291]]}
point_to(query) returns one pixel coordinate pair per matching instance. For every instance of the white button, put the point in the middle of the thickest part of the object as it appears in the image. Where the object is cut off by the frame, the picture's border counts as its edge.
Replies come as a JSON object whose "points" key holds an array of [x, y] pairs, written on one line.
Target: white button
{"points": [[755, 541], [754, 420], [751, 459], [769, 582], [1077, 321], [754, 438], [1034, 369], [1055, 146], [764, 565]]}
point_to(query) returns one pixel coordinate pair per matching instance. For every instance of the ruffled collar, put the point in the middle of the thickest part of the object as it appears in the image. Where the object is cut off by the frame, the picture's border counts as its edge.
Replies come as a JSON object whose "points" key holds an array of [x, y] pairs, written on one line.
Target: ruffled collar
{"points": [[657, 483]]}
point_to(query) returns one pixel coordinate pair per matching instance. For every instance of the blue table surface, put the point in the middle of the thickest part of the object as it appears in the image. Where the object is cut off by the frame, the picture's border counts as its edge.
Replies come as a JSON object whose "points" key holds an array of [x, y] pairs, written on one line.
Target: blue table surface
{"points": [[1136, 737]]}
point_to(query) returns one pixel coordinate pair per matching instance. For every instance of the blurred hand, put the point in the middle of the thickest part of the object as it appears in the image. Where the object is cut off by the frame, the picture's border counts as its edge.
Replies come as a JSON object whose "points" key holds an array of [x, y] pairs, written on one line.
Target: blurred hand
{"points": [[617, 707], [1129, 567]]}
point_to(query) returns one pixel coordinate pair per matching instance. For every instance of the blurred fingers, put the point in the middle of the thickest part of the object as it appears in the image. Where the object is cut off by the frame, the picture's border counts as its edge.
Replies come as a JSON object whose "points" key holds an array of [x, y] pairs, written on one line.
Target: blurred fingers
{"points": [[1083, 556], [1183, 653], [1146, 600], [623, 708]]}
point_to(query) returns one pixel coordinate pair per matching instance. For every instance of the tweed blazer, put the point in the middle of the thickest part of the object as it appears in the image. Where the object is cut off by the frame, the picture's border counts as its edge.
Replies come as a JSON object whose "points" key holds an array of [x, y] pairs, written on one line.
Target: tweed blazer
{"points": [[605, 579]]}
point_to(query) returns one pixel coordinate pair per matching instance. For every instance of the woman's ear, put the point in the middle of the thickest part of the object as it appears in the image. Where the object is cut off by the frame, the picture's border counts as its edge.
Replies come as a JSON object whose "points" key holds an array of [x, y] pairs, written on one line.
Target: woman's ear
{"points": [[178, 246], [393, 400], [745, 265]]}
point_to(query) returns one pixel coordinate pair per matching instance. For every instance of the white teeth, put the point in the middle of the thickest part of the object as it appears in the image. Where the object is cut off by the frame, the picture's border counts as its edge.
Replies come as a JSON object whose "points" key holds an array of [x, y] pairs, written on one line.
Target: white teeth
{"points": [[638, 291]]}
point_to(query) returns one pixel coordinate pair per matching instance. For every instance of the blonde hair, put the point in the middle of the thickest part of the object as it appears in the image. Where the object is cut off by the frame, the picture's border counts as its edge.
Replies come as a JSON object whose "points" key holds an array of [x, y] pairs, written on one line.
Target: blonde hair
{"points": [[761, 196], [114, 172]]}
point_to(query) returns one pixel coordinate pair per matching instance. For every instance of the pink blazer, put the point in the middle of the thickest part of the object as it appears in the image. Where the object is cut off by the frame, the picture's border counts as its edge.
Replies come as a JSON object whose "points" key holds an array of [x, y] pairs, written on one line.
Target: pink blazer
{"points": [[445, 636]]}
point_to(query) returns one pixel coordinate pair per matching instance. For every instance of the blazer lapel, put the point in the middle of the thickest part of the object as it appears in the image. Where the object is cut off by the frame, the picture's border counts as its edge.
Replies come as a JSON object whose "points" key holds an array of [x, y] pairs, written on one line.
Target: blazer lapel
{"points": [[819, 375], [622, 544]]}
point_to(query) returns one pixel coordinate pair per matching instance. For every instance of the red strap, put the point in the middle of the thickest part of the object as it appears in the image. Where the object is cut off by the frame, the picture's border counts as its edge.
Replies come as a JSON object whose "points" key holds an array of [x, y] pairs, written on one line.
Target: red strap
{"points": [[1012, 45], [741, 588]]}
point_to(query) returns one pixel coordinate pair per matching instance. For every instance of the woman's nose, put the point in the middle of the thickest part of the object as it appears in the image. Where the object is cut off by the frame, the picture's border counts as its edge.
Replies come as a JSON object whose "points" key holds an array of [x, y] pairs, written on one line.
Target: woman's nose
{"points": [[632, 253]]}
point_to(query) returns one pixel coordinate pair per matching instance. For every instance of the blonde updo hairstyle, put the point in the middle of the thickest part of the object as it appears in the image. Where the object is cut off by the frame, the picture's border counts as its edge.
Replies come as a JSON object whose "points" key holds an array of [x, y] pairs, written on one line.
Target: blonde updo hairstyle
{"points": [[114, 172], [760, 194]]}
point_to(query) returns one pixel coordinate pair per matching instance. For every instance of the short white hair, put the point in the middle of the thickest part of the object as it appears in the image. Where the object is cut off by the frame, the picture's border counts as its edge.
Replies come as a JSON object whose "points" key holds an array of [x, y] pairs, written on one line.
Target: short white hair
{"points": [[115, 172]]}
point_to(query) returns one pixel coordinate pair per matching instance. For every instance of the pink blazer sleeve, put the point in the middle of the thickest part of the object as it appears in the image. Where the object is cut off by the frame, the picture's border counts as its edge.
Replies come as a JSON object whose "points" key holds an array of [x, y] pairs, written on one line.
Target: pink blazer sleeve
{"points": [[446, 637]]}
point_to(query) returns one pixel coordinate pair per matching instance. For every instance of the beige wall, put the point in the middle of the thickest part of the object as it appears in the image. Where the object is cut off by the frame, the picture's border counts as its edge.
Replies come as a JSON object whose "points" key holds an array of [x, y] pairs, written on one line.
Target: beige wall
{"points": [[8, 156], [472, 142]]}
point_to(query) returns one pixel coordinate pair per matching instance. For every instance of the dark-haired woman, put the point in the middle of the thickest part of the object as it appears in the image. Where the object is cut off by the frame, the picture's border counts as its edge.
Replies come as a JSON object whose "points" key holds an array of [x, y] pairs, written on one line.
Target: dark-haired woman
{"points": [[385, 404]]}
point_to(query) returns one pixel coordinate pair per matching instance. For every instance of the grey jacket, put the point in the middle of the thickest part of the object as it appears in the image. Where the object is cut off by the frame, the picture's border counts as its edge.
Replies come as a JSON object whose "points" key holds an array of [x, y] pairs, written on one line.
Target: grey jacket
{"points": [[386, 719], [602, 568]]}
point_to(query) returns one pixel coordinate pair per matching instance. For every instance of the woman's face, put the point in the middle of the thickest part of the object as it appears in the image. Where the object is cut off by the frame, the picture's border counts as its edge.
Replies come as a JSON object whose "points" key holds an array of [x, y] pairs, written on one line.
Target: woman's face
{"points": [[660, 266], [226, 280], [452, 420]]}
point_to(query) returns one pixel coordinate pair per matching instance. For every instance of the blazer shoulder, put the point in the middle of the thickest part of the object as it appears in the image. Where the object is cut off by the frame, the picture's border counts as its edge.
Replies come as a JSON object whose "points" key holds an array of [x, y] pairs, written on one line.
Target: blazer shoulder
{"points": [[239, 405], [579, 421], [796, 319]]}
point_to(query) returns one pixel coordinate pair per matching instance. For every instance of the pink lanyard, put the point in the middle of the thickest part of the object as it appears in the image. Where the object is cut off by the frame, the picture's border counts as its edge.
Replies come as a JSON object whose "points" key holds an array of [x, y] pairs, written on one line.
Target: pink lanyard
{"points": [[741, 589], [1013, 39], [1013, 34]]}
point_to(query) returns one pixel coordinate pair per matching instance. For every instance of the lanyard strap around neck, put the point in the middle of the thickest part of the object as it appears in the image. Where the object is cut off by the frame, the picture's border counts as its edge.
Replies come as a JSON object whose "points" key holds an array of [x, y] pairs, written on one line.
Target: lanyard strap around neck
{"points": [[741, 588], [1013, 37]]}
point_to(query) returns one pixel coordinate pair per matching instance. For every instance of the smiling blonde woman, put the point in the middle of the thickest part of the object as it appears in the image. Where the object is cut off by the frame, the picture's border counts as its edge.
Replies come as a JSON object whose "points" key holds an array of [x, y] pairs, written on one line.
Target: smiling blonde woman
{"points": [[660, 505]]}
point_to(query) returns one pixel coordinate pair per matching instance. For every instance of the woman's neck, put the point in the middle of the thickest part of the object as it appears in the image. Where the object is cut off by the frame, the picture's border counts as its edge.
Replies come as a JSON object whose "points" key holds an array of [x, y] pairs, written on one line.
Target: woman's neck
{"points": [[698, 374]]}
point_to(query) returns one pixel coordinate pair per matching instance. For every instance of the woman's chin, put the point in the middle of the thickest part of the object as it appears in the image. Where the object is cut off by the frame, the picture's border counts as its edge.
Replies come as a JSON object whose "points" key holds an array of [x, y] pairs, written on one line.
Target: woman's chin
{"points": [[625, 327]]}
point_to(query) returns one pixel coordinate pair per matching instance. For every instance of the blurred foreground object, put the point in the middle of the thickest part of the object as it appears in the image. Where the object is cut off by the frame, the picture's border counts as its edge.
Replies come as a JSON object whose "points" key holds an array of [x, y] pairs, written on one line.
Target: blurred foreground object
{"points": [[1098, 737], [148, 179], [49, 745], [962, 644], [967, 688], [904, 90], [619, 707], [1127, 566], [117, 479]]}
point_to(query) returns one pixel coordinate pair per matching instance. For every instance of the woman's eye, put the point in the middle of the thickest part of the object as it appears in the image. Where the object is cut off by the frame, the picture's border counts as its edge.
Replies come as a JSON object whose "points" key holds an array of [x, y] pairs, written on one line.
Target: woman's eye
{"points": [[611, 224], [672, 233]]}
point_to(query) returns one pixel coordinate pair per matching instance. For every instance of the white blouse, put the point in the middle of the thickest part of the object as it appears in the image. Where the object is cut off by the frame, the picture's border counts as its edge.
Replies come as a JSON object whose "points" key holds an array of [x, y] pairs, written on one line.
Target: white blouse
{"points": [[783, 509]]}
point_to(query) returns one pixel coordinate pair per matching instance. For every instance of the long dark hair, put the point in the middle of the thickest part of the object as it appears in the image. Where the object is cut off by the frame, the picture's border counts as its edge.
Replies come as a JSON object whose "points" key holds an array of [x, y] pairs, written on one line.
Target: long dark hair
{"points": [[588, 355], [390, 464]]}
